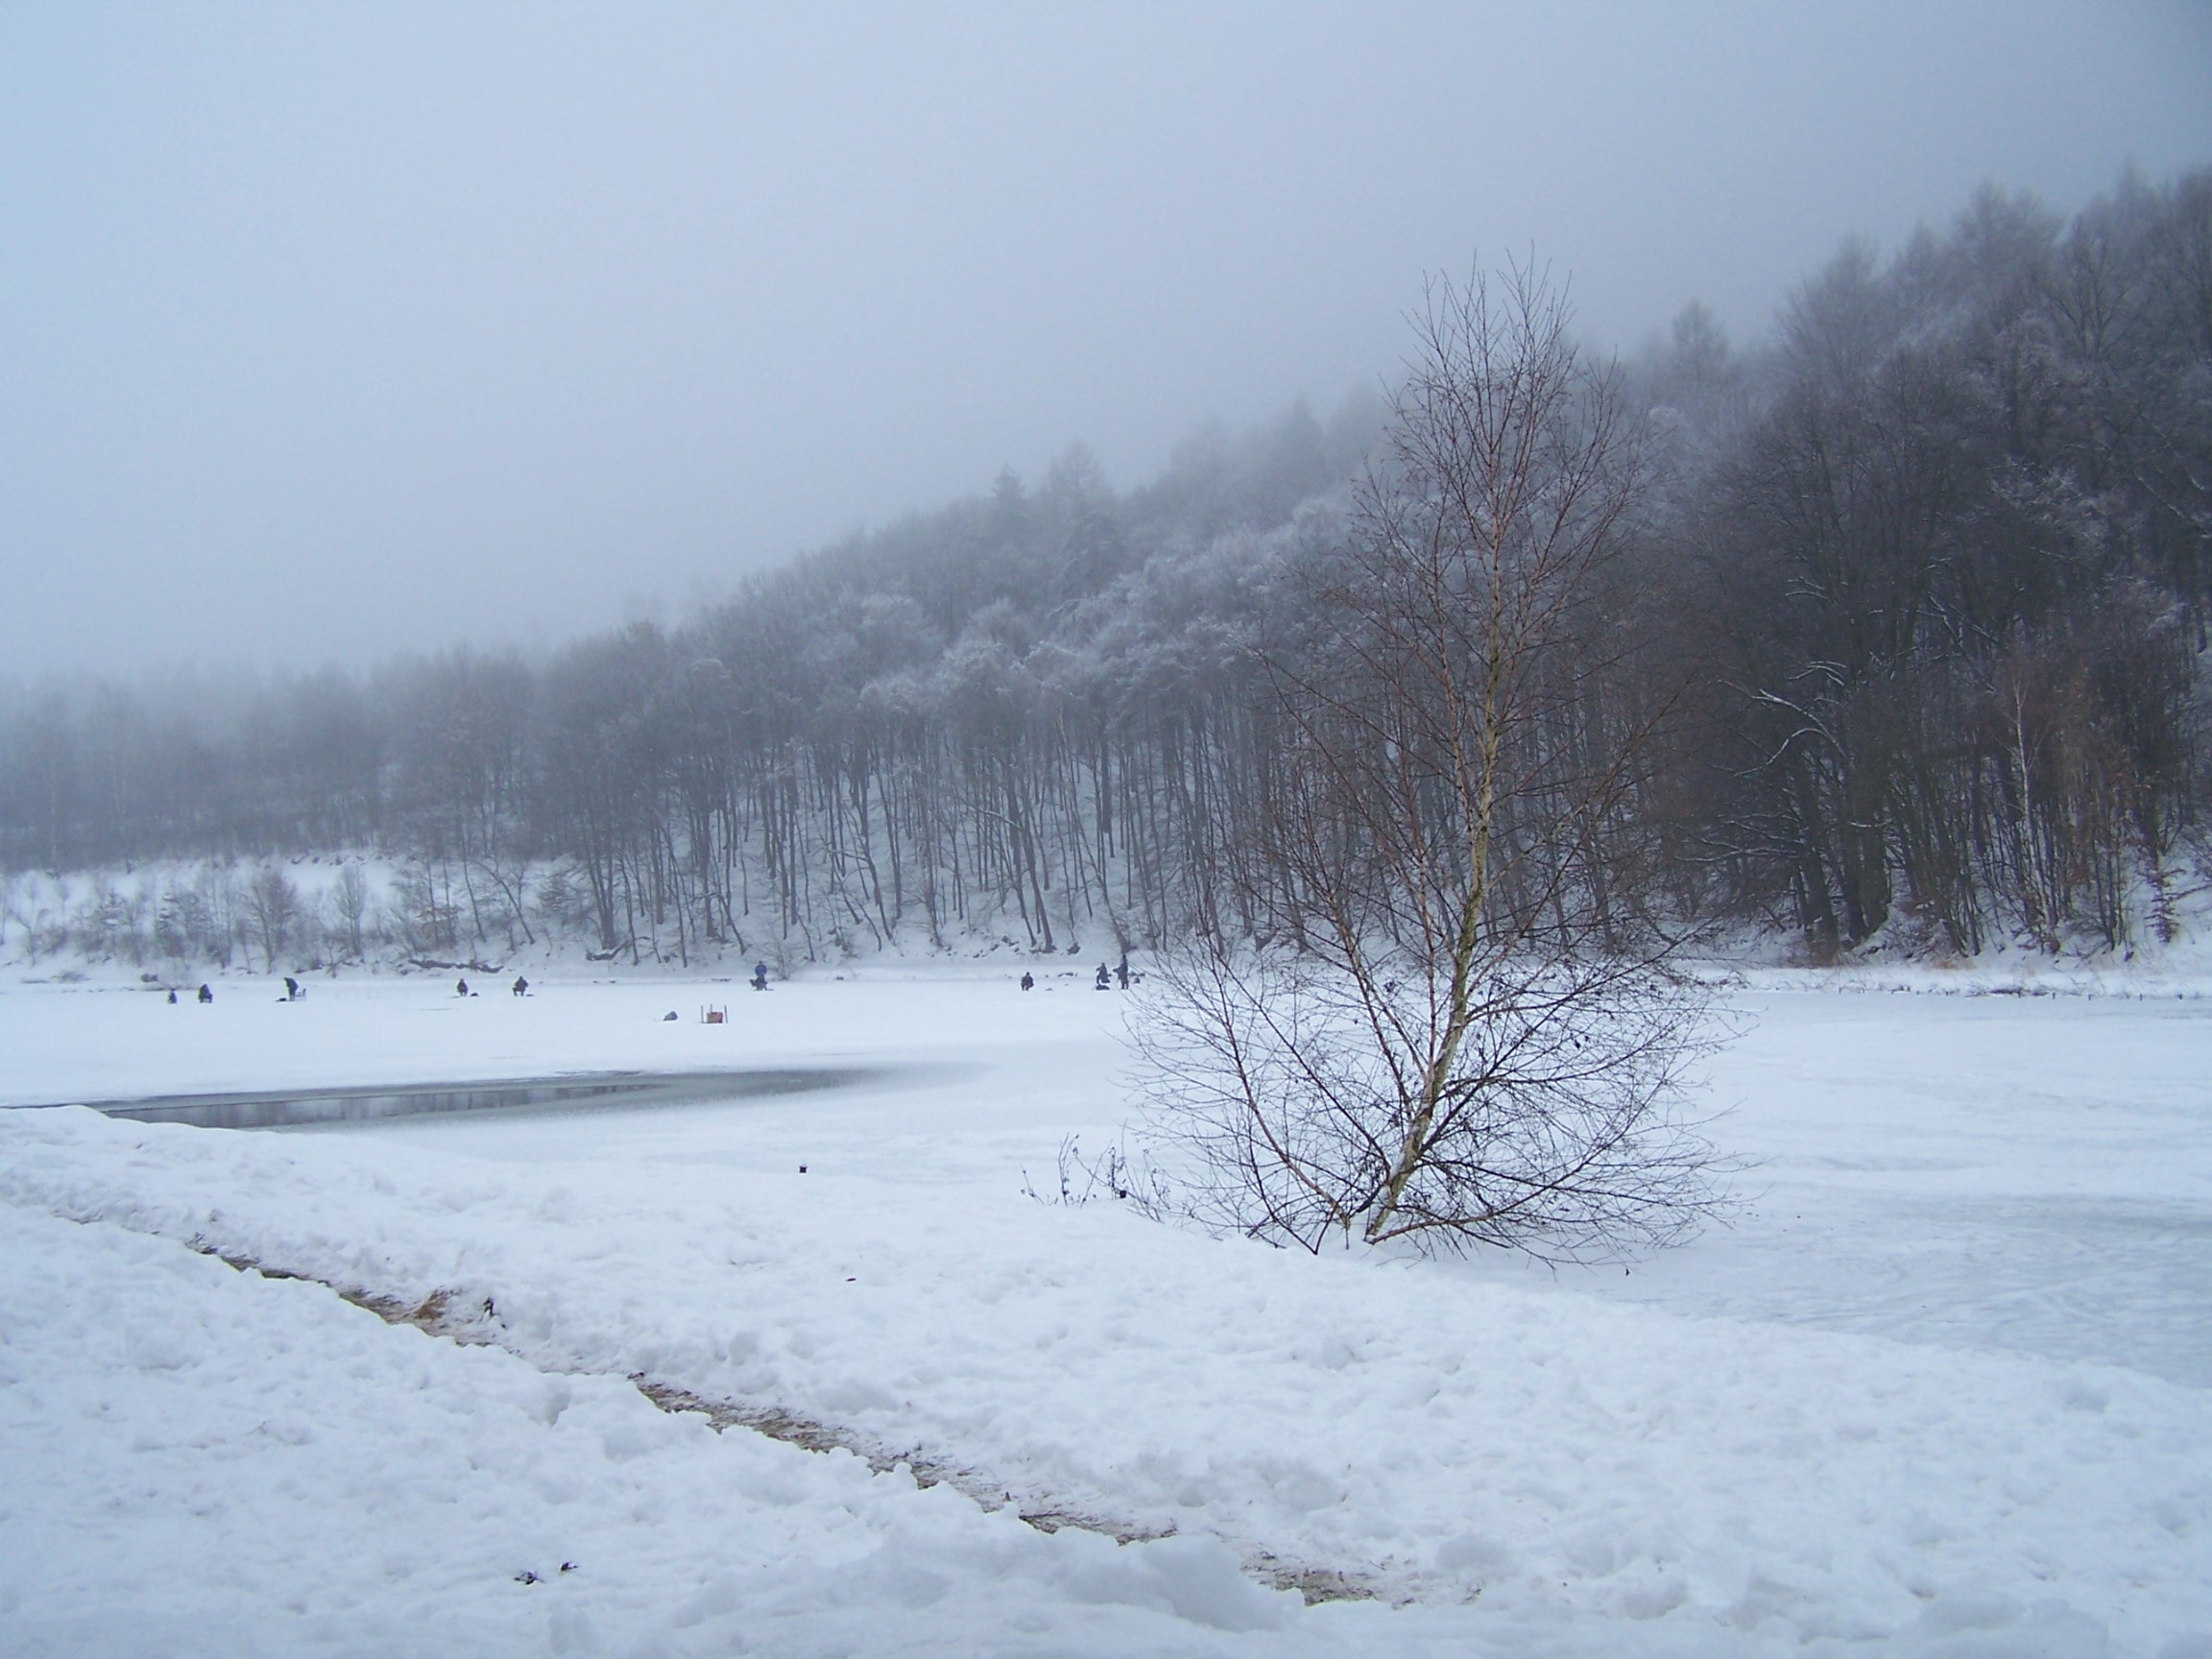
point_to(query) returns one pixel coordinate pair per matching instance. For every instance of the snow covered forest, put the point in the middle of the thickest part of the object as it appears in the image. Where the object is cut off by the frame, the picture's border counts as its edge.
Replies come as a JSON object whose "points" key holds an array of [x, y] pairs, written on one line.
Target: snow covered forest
{"points": [[1918, 592]]}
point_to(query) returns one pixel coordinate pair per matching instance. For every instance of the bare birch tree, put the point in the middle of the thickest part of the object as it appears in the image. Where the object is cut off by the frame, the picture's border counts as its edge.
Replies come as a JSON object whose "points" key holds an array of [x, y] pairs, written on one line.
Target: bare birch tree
{"points": [[1475, 1036]]}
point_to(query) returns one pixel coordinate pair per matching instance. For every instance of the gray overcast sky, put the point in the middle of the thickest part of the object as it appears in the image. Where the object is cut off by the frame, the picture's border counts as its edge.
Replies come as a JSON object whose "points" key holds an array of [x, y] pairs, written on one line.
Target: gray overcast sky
{"points": [[329, 331]]}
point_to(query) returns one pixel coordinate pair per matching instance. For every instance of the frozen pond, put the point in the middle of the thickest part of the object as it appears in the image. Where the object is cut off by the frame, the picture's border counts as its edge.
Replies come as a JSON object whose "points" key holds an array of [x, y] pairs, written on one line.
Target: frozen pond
{"points": [[1942, 1383], [293, 1108]]}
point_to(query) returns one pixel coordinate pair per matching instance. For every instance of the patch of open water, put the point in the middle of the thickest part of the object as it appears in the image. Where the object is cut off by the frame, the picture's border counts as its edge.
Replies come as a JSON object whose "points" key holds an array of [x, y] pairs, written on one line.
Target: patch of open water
{"points": [[309, 1108]]}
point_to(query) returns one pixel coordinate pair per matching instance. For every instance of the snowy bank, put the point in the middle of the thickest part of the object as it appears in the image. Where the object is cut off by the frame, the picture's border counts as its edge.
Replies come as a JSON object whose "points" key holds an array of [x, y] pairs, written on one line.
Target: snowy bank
{"points": [[1767, 1442]]}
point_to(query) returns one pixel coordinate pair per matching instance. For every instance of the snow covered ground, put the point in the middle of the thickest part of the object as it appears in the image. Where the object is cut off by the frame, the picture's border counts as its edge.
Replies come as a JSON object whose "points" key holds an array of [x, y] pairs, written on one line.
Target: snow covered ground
{"points": [[1944, 1389]]}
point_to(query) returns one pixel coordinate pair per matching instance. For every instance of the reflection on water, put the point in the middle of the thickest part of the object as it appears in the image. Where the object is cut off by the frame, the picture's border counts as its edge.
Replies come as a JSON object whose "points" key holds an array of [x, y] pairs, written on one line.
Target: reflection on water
{"points": [[283, 1108]]}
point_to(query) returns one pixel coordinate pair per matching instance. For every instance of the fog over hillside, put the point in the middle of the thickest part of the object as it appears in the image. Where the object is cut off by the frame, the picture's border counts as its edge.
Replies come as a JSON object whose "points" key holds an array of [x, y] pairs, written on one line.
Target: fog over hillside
{"points": [[715, 482], [1905, 613], [329, 336], [1225, 829]]}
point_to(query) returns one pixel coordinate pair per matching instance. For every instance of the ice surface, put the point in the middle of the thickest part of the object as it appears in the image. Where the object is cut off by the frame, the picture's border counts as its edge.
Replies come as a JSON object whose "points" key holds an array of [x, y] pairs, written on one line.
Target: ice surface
{"points": [[1941, 1388], [2032, 1174]]}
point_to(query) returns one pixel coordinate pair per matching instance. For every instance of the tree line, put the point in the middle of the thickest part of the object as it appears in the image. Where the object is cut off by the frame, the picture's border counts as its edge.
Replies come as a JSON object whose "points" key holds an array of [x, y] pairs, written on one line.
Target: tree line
{"points": [[1908, 607]]}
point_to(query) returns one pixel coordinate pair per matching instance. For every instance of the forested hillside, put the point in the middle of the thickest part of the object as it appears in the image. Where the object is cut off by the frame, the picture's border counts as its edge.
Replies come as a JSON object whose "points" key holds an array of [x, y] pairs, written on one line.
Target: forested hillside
{"points": [[1917, 593]]}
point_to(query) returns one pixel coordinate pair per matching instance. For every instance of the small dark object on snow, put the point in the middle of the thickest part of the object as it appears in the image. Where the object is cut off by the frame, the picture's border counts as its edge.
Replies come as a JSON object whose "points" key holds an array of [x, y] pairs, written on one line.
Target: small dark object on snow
{"points": [[521, 987], [802, 1168], [490, 1311], [670, 1015], [172, 998], [1027, 983], [460, 987], [205, 995], [1105, 979], [567, 1566], [526, 1577]]}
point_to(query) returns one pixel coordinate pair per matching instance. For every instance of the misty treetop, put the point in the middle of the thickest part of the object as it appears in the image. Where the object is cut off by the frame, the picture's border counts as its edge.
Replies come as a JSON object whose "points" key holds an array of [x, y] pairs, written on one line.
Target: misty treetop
{"points": [[1919, 592]]}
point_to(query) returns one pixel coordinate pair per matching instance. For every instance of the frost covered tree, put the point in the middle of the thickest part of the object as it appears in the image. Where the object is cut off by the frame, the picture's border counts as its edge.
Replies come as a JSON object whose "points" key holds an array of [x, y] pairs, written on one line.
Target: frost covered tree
{"points": [[272, 904], [1470, 1034], [350, 900]]}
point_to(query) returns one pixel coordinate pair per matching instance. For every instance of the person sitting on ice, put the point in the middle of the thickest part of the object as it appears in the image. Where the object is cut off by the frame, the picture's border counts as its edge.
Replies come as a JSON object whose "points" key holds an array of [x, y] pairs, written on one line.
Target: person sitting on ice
{"points": [[522, 986], [460, 987], [206, 995], [172, 998], [1105, 978], [1028, 983], [760, 976]]}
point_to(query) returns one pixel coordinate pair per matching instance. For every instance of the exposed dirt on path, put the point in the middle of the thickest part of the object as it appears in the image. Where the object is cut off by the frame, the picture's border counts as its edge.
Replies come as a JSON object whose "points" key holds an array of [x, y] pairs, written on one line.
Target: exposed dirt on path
{"points": [[442, 1313]]}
